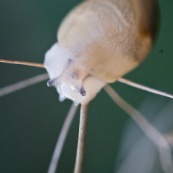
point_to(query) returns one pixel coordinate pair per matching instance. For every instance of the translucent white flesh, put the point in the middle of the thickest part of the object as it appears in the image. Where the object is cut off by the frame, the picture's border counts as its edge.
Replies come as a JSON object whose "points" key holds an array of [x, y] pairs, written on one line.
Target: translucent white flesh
{"points": [[62, 73]]}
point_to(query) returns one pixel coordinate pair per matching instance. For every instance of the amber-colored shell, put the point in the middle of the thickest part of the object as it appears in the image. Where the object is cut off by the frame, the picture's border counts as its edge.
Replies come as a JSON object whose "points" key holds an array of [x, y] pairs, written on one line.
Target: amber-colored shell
{"points": [[109, 37]]}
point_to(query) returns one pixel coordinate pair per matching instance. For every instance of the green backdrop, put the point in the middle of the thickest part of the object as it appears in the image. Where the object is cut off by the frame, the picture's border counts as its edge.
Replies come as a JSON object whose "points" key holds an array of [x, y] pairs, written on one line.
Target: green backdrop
{"points": [[30, 119]]}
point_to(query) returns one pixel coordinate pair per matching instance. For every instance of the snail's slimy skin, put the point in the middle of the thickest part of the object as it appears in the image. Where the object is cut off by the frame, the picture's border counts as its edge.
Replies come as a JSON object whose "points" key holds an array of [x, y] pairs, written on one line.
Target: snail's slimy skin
{"points": [[98, 42], [70, 79]]}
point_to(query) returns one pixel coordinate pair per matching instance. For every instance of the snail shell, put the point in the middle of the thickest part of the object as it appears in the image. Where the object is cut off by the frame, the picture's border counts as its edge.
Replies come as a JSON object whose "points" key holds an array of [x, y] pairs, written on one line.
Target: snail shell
{"points": [[98, 42]]}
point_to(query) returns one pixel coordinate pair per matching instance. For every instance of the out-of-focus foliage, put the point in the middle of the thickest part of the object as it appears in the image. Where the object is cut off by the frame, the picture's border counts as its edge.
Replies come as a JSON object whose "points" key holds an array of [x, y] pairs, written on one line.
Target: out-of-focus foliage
{"points": [[138, 153]]}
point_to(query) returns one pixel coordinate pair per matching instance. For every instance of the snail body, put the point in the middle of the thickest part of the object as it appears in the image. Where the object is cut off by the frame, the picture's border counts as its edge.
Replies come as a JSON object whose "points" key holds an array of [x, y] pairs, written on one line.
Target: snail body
{"points": [[98, 42]]}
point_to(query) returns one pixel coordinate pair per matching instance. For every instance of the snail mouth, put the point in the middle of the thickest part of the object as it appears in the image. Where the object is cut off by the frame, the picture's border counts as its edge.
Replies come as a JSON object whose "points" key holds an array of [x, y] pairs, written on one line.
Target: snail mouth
{"points": [[57, 82], [72, 78]]}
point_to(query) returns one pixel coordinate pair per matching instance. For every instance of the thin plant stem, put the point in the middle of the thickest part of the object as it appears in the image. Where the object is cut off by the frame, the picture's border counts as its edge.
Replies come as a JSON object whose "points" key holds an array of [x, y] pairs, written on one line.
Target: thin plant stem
{"points": [[81, 139], [38, 65], [122, 80], [61, 139], [153, 134], [169, 137], [22, 84], [145, 88]]}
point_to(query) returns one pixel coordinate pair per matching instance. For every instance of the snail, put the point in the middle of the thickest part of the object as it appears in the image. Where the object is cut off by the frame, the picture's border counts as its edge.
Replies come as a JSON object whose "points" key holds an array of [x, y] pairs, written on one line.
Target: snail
{"points": [[98, 42]]}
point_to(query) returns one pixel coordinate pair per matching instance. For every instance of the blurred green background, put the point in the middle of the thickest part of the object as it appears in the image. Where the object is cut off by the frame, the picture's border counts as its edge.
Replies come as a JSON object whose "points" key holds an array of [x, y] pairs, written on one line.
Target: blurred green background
{"points": [[30, 119]]}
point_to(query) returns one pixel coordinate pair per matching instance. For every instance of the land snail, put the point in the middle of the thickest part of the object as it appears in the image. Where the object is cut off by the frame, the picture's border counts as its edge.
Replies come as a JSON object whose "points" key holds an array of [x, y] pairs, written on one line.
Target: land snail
{"points": [[98, 42]]}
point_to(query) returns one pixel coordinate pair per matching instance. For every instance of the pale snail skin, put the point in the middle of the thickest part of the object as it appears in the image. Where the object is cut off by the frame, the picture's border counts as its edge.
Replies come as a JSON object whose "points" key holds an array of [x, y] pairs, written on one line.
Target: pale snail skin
{"points": [[98, 42]]}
